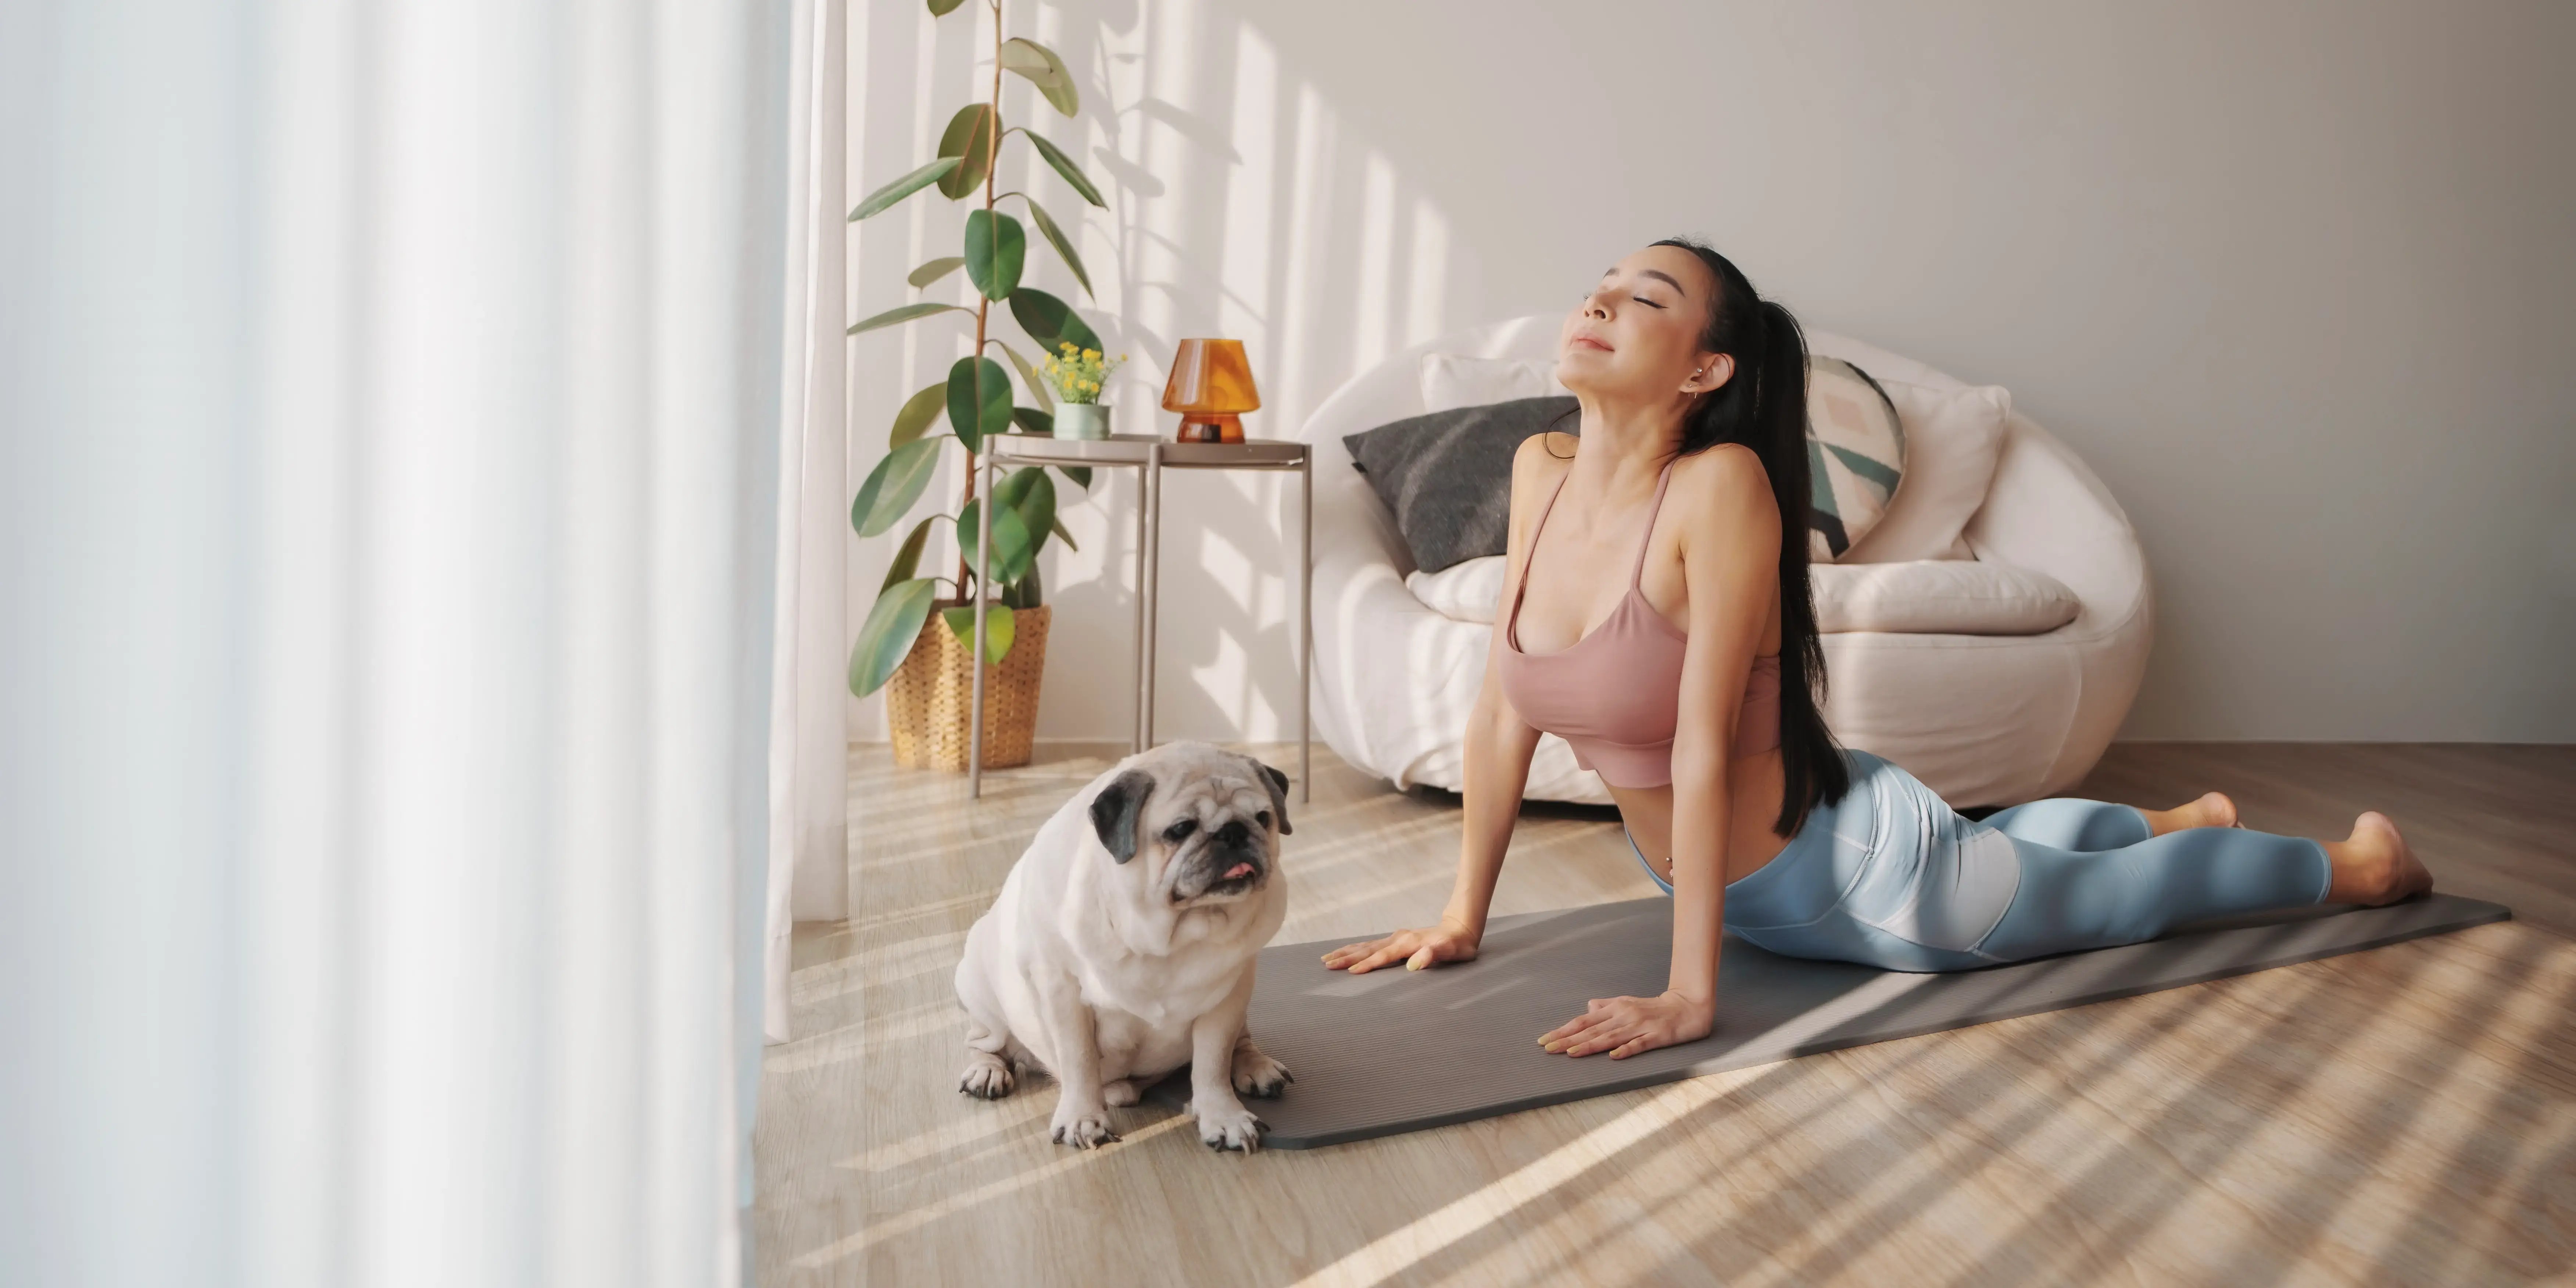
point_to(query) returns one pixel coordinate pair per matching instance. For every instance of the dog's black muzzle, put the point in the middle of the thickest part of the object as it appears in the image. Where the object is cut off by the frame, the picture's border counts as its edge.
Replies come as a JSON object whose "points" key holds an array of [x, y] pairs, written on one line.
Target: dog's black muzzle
{"points": [[1234, 848]]}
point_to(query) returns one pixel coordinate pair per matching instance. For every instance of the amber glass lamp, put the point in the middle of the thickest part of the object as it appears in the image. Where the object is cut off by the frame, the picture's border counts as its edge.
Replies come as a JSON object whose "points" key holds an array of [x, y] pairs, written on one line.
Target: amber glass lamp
{"points": [[1211, 387]]}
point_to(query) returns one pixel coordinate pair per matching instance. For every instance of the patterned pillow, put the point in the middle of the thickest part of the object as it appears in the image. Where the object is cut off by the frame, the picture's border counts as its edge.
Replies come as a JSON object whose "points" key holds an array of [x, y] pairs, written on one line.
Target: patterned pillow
{"points": [[1855, 455]]}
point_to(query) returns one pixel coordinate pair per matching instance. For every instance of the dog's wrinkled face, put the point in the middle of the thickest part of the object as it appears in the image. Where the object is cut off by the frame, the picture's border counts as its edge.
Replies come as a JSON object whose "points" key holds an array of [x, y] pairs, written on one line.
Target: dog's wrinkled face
{"points": [[1199, 824]]}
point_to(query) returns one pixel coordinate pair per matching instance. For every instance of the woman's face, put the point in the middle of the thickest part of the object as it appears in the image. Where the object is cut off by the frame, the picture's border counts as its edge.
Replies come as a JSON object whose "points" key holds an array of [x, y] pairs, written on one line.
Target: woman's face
{"points": [[1636, 333]]}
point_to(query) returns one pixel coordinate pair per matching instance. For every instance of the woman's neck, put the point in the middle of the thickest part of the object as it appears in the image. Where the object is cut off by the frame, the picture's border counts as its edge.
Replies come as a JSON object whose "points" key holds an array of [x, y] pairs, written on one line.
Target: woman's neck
{"points": [[1624, 447]]}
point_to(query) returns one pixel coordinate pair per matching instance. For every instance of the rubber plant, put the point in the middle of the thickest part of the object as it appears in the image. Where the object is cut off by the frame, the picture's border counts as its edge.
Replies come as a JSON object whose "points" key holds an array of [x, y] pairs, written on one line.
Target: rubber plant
{"points": [[976, 398]]}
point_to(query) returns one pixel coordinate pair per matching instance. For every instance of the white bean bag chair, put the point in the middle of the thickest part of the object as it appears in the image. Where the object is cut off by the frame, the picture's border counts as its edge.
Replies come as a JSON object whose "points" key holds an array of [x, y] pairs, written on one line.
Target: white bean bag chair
{"points": [[1983, 719]]}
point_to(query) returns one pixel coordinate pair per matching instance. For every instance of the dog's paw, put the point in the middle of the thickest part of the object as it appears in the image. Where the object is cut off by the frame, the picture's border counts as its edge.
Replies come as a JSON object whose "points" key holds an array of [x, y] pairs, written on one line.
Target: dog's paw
{"points": [[1082, 1128], [987, 1076], [1256, 1074], [1122, 1092], [1232, 1127]]}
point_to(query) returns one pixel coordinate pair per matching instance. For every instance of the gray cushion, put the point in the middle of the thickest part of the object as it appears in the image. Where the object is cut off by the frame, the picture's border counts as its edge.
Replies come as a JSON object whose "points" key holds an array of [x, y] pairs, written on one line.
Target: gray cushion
{"points": [[1447, 476]]}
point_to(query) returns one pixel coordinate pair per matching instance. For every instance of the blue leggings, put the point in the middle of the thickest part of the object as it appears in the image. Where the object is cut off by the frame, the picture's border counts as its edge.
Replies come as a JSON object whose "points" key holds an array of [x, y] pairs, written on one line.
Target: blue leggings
{"points": [[1890, 876]]}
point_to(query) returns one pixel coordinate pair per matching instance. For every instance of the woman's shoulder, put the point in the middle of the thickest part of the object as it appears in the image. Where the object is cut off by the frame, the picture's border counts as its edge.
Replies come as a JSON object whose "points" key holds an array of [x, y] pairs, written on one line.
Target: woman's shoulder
{"points": [[1549, 447], [1542, 457], [1727, 468], [1726, 492]]}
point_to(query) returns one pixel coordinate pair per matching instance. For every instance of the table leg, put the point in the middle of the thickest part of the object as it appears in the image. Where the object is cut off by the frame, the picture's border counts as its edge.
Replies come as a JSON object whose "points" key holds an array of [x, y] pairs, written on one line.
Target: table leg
{"points": [[1153, 574], [983, 562], [1136, 689], [1305, 624]]}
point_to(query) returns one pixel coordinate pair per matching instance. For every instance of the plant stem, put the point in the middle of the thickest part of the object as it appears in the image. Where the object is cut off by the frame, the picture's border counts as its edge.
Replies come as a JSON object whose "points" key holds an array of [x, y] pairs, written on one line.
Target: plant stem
{"points": [[983, 303]]}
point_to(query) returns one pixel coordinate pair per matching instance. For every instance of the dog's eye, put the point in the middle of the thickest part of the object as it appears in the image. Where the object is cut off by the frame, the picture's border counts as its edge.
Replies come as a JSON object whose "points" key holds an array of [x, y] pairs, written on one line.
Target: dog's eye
{"points": [[1179, 832], [1263, 818]]}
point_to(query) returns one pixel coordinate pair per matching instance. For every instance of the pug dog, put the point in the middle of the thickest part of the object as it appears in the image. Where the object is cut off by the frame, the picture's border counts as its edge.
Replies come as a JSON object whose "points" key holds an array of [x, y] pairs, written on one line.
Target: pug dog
{"points": [[1123, 942]]}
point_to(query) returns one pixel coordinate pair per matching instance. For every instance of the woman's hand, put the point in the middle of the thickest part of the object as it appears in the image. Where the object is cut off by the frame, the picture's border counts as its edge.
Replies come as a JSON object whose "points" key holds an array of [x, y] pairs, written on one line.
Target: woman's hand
{"points": [[1429, 946], [1624, 1026]]}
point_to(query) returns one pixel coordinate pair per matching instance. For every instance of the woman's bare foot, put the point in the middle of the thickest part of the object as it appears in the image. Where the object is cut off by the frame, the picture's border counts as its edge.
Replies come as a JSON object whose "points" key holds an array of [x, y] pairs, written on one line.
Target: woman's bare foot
{"points": [[2375, 865], [2213, 809]]}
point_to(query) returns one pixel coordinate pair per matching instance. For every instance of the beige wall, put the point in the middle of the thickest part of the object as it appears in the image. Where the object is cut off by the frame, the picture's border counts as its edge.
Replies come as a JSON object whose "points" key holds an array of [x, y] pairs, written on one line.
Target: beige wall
{"points": [[2294, 278]]}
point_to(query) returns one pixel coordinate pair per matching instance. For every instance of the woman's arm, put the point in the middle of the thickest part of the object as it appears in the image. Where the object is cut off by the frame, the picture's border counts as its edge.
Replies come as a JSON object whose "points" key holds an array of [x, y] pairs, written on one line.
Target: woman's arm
{"points": [[1730, 563], [1730, 548], [1499, 745], [1499, 742]]}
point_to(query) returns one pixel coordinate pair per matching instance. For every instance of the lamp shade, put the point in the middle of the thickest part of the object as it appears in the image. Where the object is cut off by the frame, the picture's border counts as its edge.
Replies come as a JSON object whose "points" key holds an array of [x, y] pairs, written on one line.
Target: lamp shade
{"points": [[1211, 377]]}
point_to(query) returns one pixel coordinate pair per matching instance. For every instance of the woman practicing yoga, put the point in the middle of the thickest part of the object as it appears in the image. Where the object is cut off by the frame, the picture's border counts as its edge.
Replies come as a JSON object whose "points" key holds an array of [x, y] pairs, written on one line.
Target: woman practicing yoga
{"points": [[1664, 628]]}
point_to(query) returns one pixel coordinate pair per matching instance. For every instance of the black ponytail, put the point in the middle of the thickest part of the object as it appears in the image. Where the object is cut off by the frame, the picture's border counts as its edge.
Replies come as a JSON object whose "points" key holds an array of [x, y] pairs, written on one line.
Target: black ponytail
{"points": [[1764, 407]]}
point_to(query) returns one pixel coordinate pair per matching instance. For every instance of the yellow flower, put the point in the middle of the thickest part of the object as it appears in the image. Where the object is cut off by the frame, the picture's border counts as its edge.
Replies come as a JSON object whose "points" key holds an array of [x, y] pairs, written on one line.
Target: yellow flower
{"points": [[1091, 355], [1066, 345]]}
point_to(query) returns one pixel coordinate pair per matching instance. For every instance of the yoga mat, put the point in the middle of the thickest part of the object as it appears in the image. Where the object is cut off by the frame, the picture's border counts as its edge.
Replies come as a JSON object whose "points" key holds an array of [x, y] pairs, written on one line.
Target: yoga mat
{"points": [[1397, 1050]]}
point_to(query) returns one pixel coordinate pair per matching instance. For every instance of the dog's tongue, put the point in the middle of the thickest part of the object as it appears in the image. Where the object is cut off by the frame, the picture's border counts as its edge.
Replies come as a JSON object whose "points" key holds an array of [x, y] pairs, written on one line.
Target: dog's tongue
{"points": [[1238, 870]]}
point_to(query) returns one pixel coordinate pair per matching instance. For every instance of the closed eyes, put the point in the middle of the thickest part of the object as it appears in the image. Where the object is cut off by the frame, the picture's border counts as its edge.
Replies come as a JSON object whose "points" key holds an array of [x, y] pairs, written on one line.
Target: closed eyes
{"points": [[1587, 298]]}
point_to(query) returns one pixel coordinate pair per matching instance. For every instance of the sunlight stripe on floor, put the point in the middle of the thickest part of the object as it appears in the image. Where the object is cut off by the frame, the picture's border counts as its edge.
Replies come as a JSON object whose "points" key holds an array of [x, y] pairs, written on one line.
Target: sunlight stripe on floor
{"points": [[1400, 1249], [906, 1222]]}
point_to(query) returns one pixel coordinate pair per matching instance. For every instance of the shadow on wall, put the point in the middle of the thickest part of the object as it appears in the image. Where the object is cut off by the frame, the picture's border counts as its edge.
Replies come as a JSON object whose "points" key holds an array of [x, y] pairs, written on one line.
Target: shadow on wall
{"points": [[1241, 203]]}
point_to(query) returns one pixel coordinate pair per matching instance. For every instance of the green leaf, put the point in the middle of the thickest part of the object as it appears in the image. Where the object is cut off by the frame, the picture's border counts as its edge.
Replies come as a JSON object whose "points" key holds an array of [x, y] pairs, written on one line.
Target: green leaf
{"points": [[969, 138], [1028, 375], [998, 629], [1033, 421], [905, 314], [1026, 592], [1057, 527], [1081, 476], [942, 8], [1029, 491], [979, 400], [918, 411], [893, 486], [1063, 165], [1012, 549], [907, 557], [1050, 321], [1045, 70], [893, 624], [995, 249], [1056, 238], [888, 195], [934, 270]]}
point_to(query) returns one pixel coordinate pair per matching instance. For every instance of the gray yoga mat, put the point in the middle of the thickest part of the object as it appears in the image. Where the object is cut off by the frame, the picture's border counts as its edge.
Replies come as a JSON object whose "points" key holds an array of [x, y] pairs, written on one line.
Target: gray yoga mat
{"points": [[1397, 1050]]}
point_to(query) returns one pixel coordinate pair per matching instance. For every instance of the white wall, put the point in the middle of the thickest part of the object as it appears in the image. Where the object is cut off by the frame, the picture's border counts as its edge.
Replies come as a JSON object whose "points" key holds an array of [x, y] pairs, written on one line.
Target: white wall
{"points": [[2295, 278]]}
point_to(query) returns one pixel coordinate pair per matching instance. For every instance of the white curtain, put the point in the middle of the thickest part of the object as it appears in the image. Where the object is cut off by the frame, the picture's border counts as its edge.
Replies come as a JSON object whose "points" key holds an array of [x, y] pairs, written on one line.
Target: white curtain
{"points": [[388, 525], [809, 748]]}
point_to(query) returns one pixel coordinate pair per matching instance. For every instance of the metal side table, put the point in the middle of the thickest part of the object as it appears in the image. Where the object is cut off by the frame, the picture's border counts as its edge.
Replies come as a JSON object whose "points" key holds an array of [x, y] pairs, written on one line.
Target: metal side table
{"points": [[1149, 455]]}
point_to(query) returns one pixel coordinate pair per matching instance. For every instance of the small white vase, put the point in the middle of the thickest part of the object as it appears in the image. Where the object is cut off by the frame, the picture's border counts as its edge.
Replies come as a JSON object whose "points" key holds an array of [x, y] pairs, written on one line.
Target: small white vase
{"points": [[1081, 420]]}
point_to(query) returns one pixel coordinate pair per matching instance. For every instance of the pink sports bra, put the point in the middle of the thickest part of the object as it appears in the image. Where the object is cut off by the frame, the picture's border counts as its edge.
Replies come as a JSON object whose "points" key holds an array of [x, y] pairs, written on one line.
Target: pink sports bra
{"points": [[1615, 694]]}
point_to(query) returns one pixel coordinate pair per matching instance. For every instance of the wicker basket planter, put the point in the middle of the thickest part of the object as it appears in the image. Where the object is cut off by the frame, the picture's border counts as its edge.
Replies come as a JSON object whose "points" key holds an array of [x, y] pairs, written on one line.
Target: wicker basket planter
{"points": [[928, 700]]}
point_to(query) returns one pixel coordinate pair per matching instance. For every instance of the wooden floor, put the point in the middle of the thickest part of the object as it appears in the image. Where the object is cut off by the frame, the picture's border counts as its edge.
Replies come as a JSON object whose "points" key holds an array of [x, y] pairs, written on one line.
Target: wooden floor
{"points": [[2405, 1115]]}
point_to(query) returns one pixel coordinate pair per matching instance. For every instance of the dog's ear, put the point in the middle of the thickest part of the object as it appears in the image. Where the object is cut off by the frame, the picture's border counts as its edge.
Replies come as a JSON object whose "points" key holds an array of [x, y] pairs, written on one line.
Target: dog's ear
{"points": [[1278, 784], [1115, 810]]}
